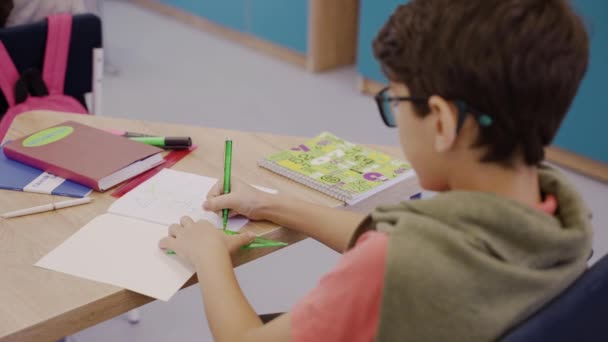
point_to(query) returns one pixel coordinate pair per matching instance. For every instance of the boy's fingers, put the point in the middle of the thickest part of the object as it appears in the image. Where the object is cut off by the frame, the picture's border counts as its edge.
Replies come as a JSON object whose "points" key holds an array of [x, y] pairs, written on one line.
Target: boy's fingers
{"points": [[242, 239], [219, 203], [166, 243], [186, 221], [216, 190], [173, 229]]}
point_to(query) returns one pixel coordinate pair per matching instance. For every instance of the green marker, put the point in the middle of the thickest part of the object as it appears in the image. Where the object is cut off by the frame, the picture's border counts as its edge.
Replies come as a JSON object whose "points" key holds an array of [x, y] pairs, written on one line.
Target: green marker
{"points": [[259, 242], [227, 171], [165, 142]]}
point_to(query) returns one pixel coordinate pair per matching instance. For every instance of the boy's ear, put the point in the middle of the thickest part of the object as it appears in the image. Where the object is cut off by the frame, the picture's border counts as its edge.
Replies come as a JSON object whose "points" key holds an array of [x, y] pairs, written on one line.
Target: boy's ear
{"points": [[445, 121]]}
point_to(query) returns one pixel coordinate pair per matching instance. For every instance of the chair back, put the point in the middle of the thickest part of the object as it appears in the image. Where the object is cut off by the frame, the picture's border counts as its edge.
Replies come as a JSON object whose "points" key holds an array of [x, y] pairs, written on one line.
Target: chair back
{"points": [[578, 314]]}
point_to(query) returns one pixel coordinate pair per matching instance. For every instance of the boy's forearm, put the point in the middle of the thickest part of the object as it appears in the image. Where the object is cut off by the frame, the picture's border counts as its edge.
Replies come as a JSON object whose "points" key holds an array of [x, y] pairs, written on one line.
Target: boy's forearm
{"points": [[229, 313], [332, 227]]}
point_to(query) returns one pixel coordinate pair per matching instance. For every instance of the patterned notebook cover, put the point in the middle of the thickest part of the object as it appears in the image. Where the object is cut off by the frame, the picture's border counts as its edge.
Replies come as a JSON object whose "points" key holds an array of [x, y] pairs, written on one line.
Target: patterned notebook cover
{"points": [[338, 168]]}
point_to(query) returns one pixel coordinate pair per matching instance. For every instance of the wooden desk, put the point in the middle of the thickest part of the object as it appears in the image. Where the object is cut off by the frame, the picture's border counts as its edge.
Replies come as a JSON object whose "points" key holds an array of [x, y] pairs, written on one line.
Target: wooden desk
{"points": [[42, 305]]}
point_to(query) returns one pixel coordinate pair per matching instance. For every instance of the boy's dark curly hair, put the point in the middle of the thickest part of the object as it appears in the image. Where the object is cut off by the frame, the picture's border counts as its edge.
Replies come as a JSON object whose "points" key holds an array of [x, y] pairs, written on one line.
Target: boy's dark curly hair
{"points": [[518, 61]]}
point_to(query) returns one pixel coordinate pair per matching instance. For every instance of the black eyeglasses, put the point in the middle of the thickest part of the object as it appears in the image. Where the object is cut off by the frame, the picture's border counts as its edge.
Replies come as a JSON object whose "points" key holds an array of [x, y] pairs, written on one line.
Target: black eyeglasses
{"points": [[387, 103]]}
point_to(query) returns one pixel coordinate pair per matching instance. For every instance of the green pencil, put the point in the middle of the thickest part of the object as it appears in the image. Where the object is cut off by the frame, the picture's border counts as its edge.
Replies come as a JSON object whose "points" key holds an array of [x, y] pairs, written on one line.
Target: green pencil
{"points": [[227, 172], [258, 242]]}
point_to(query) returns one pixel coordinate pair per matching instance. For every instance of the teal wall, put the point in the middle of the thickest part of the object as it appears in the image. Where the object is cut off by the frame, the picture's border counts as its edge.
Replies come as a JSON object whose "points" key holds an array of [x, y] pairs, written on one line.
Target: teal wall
{"points": [[372, 16], [228, 13], [585, 129], [186, 5], [283, 22]]}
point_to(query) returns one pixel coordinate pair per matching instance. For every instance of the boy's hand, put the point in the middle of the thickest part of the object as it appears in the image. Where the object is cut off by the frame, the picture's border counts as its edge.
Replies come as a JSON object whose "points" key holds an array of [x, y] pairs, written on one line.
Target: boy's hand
{"points": [[194, 241], [243, 199]]}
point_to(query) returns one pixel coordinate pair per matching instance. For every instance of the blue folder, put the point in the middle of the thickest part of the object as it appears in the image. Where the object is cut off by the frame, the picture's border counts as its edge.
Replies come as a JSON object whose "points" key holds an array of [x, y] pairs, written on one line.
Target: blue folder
{"points": [[21, 177]]}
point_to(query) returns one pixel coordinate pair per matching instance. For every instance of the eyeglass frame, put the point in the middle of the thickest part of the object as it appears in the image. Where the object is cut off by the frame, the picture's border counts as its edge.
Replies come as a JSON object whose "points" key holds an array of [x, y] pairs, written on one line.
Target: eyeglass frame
{"points": [[484, 120]]}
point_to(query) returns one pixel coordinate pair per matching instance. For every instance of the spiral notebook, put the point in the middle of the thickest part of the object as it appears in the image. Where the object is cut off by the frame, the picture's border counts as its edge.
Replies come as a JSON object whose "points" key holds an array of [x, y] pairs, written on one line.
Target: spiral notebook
{"points": [[338, 168]]}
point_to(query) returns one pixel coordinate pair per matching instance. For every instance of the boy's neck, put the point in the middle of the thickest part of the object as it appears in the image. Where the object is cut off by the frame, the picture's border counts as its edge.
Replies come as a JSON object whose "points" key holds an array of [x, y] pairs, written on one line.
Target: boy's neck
{"points": [[519, 183]]}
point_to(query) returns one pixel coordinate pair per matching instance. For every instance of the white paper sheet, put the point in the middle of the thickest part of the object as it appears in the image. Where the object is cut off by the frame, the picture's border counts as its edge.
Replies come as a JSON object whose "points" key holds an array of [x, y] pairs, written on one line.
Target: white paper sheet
{"points": [[170, 195], [121, 248], [124, 252]]}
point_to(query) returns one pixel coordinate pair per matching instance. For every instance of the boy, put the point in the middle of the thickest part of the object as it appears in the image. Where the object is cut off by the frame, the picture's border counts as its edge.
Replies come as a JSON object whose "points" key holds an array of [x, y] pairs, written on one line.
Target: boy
{"points": [[478, 89]]}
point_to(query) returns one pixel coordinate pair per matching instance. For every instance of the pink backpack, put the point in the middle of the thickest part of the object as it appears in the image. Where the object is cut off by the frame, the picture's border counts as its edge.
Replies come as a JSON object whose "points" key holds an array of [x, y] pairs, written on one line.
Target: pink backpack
{"points": [[55, 63]]}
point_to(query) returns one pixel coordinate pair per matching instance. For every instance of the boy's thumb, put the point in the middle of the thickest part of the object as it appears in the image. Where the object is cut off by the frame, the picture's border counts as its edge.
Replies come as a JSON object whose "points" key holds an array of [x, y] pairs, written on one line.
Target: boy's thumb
{"points": [[246, 238], [239, 240], [218, 203]]}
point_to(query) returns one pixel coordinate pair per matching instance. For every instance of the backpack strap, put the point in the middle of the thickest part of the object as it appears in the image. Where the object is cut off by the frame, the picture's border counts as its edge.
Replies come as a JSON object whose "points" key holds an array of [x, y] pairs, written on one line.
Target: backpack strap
{"points": [[57, 48], [8, 75]]}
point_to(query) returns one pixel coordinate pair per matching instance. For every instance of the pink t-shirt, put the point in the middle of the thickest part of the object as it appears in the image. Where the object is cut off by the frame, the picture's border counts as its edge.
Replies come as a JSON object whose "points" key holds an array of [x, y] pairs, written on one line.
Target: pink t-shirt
{"points": [[345, 306]]}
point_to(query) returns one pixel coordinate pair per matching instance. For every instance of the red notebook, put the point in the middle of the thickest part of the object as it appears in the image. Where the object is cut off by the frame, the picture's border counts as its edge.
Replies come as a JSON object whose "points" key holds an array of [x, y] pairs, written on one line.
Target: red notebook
{"points": [[84, 154]]}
